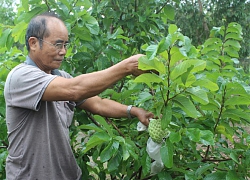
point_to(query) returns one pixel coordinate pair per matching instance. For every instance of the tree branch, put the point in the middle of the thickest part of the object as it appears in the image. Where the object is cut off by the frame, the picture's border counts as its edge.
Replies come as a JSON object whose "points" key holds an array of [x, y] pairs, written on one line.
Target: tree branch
{"points": [[118, 130], [92, 119], [162, 7]]}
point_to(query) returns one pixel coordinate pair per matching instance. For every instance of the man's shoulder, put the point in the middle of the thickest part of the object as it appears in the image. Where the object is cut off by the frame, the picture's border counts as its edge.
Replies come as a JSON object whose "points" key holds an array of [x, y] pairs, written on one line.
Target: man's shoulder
{"points": [[24, 68]]}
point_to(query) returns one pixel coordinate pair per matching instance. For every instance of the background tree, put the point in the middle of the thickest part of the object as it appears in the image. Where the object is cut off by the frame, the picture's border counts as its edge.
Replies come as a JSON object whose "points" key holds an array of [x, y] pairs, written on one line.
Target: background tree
{"points": [[200, 90], [195, 18]]}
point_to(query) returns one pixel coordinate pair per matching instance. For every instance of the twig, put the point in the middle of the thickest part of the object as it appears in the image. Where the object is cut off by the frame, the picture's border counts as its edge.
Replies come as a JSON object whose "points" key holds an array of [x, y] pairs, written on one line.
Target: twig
{"points": [[118, 130], [216, 160], [92, 119]]}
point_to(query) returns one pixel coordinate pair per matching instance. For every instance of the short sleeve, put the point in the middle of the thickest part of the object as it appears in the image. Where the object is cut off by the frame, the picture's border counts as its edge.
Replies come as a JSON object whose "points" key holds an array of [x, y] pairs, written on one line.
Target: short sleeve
{"points": [[25, 86]]}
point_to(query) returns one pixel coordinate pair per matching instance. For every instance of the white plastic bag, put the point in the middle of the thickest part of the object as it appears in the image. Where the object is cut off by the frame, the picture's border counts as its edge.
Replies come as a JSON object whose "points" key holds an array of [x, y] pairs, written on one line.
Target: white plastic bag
{"points": [[153, 150], [141, 127], [156, 167]]}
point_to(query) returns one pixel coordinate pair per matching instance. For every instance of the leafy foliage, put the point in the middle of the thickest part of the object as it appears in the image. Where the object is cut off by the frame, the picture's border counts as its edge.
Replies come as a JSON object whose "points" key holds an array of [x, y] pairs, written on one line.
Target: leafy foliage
{"points": [[199, 90], [207, 100]]}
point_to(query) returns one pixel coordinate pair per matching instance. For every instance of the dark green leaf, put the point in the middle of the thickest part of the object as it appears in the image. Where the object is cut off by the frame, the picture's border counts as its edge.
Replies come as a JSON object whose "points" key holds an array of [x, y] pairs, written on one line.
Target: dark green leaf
{"points": [[146, 164], [97, 139], [207, 137], [234, 157], [166, 116], [193, 134], [109, 151], [175, 137], [167, 153], [216, 176], [203, 169], [114, 162], [170, 12], [232, 175], [186, 105]]}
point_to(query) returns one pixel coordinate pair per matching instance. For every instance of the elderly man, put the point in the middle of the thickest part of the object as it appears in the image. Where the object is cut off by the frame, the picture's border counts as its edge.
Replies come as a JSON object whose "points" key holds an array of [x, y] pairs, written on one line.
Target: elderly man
{"points": [[40, 100]]}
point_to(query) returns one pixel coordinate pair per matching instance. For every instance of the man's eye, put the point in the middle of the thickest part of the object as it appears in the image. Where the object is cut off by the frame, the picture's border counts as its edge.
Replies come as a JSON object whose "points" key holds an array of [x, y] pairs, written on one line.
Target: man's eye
{"points": [[59, 45]]}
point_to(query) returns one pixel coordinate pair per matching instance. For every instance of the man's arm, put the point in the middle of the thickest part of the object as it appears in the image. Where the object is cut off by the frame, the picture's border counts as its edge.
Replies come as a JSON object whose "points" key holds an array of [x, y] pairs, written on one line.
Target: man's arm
{"points": [[110, 108], [88, 85]]}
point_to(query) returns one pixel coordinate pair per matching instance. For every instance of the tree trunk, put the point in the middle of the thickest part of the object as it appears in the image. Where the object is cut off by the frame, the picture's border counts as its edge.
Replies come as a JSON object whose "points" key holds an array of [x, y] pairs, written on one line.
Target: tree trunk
{"points": [[205, 26]]}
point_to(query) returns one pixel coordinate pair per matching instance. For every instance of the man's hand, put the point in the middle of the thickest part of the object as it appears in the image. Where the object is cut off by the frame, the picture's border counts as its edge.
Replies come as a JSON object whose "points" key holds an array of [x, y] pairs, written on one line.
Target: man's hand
{"points": [[142, 115], [132, 65]]}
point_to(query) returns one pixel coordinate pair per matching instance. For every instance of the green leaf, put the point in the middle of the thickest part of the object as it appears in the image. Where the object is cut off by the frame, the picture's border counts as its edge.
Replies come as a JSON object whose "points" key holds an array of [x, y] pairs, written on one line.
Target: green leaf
{"points": [[236, 114], [198, 95], [146, 164], [30, 14], [234, 157], [92, 24], [82, 33], [175, 137], [131, 148], [91, 126], [235, 44], [151, 51], [109, 151], [231, 52], [234, 27], [238, 100], [236, 89], [170, 12], [143, 97], [232, 175], [203, 169], [193, 134], [207, 84], [114, 162], [125, 152], [185, 75], [164, 175], [118, 31], [186, 105], [183, 67], [25, 5], [213, 41], [97, 139], [172, 28], [176, 56], [206, 137], [118, 45], [163, 45], [4, 37], [167, 153], [154, 64], [66, 3], [235, 36], [86, 3], [166, 116], [18, 32], [101, 120], [216, 176], [148, 78]]}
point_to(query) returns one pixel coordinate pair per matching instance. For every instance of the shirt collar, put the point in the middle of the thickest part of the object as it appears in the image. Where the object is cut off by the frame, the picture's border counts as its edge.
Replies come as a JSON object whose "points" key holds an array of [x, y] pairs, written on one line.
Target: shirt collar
{"points": [[29, 61]]}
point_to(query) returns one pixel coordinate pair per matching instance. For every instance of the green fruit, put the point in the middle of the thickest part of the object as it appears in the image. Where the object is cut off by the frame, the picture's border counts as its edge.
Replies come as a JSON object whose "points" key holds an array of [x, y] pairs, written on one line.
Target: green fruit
{"points": [[155, 131]]}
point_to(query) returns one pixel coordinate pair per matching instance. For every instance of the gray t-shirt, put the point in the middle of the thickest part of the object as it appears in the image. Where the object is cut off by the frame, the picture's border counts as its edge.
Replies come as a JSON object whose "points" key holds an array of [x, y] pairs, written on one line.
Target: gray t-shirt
{"points": [[38, 131]]}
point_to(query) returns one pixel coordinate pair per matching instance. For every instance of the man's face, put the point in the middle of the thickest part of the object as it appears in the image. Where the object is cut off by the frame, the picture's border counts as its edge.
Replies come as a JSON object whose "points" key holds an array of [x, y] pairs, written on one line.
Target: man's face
{"points": [[51, 54]]}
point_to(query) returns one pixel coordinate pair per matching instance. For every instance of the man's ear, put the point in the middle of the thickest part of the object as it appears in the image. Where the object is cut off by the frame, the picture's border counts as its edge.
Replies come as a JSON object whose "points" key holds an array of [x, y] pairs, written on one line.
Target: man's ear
{"points": [[33, 43]]}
